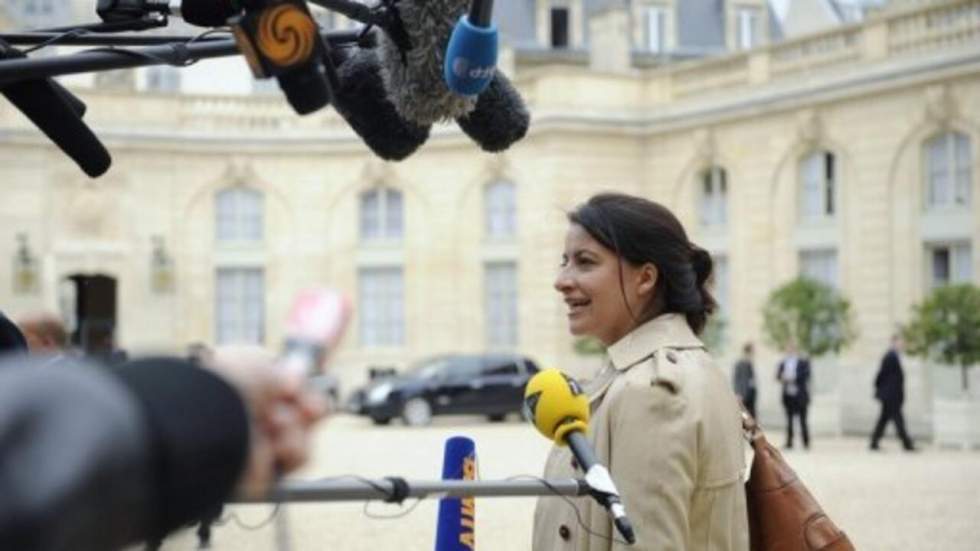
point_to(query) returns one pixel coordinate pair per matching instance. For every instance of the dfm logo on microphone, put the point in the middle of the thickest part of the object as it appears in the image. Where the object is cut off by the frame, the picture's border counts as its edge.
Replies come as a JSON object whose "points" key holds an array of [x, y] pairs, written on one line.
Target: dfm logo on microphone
{"points": [[462, 69]]}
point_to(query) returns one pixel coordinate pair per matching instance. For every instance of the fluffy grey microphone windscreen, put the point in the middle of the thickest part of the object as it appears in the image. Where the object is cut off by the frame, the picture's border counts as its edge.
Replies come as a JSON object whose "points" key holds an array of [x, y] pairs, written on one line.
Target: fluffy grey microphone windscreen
{"points": [[416, 86]]}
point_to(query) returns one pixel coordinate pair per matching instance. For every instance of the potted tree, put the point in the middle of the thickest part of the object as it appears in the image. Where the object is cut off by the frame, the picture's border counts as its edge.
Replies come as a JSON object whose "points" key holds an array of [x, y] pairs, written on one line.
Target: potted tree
{"points": [[945, 329], [817, 319]]}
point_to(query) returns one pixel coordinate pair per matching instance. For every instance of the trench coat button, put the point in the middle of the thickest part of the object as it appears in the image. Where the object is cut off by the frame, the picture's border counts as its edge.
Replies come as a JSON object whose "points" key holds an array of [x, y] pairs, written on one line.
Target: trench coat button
{"points": [[564, 532], [671, 356], [574, 463]]}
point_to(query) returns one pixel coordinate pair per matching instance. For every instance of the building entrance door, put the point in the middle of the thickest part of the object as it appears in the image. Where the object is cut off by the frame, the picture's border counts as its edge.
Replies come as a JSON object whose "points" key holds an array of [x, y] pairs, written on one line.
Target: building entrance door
{"points": [[94, 313]]}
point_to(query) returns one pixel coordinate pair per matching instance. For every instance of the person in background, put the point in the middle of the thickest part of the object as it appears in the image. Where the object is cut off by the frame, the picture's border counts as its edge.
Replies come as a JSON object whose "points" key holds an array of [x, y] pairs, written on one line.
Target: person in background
{"points": [[743, 379], [664, 418], [114, 457], [45, 334], [890, 391], [794, 374]]}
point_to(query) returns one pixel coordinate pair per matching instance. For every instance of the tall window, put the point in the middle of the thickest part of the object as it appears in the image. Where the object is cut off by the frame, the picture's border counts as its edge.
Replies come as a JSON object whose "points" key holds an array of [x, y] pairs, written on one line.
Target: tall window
{"points": [[818, 177], [500, 210], [500, 304], [820, 265], [950, 263], [240, 307], [381, 214], [746, 28], [655, 28], [560, 27], [949, 170], [714, 197], [239, 215], [381, 306]]}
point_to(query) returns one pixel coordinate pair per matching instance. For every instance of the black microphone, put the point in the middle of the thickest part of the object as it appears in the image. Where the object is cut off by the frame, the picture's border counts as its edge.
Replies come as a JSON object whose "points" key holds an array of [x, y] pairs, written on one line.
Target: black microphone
{"points": [[280, 39], [500, 118], [360, 98], [58, 114]]}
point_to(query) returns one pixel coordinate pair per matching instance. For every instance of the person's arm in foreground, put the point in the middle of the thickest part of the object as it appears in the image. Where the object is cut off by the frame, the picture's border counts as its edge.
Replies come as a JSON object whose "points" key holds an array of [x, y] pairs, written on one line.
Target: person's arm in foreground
{"points": [[92, 459]]}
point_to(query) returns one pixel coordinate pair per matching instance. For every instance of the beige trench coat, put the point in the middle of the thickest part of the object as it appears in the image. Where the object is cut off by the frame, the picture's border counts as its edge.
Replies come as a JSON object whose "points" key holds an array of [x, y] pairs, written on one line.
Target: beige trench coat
{"points": [[667, 425]]}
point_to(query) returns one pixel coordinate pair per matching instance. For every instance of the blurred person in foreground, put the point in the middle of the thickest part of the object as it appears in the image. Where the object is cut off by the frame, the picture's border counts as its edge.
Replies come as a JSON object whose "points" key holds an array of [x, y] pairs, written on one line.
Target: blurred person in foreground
{"points": [[94, 459], [890, 391], [664, 418], [743, 379], [12, 340]]}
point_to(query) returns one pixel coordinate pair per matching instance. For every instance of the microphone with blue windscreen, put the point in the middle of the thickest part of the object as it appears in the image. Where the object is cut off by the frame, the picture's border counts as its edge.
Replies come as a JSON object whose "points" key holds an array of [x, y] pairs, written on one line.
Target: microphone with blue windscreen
{"points": [[456, 527], [471, 57]]}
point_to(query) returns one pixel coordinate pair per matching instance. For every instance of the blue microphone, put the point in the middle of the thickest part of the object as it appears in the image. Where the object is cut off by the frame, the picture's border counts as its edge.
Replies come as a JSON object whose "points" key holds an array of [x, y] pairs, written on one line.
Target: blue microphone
{"points": [[456, 527], [471, 57]]}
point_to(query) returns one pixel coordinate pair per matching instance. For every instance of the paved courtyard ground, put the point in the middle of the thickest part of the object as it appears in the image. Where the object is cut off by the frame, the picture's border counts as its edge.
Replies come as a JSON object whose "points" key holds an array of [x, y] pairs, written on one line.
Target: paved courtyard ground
{"points": [[886, 501]]}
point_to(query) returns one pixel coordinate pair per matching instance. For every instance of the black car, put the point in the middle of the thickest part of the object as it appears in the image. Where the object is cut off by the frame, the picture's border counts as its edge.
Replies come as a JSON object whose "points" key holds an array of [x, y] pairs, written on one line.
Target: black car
{"points": [[484, 384]]}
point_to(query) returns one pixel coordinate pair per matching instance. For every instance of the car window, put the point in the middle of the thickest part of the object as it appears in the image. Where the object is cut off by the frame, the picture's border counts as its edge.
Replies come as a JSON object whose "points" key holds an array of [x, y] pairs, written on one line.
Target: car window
{"points": [[500, 366], [462, 368], [429, 368]]}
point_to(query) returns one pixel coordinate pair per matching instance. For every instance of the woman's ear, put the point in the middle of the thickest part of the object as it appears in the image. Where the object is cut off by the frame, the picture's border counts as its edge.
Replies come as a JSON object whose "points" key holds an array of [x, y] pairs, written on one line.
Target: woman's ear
{"points": [[647, 279]]}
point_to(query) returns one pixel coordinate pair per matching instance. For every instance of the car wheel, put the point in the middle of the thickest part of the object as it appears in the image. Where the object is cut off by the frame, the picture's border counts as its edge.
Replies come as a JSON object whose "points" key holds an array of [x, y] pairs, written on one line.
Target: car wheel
{"points": [[381, 420], [417, 412], [496, 418]]}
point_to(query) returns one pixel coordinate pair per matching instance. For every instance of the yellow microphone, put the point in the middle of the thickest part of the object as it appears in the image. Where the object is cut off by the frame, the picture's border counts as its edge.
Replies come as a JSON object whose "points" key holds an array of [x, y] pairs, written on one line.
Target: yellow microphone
{"points": [[559, 409], [556, 404]]}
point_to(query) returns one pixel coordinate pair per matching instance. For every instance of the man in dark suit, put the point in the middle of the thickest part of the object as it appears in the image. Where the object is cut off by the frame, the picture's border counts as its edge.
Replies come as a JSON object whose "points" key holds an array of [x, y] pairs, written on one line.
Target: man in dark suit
{"points": [[890, 391], [743, 379], [794, 374]]}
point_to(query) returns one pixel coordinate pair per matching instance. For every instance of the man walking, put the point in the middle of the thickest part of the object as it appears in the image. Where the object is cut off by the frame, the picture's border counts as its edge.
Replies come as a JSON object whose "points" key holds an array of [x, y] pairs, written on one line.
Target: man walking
{"points": [[890, 391], [794, 374], [743, 379]]}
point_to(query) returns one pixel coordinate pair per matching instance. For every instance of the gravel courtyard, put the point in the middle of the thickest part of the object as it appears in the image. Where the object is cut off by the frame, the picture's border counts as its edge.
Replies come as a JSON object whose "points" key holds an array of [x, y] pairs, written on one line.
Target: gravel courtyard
{"points": [[887, 501]]}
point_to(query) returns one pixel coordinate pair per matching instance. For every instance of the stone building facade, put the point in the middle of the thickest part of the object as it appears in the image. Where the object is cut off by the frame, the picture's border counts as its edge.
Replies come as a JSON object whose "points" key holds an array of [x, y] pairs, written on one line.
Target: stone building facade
{"points": [[850, 155]]}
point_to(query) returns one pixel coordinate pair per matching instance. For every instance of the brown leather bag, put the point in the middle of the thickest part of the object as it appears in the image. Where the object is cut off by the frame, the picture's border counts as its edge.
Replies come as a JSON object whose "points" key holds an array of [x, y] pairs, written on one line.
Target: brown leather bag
{"points": [[783, 516]]}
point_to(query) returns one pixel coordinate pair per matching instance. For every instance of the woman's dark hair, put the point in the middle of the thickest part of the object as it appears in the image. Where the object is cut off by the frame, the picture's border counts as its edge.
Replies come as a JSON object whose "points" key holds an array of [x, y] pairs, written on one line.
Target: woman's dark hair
{"points": [[642, 231]]}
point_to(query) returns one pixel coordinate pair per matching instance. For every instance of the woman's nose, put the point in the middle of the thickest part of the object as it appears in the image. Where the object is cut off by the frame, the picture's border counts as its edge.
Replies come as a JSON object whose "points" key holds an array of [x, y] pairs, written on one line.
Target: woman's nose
{"points": [[563, 282]]}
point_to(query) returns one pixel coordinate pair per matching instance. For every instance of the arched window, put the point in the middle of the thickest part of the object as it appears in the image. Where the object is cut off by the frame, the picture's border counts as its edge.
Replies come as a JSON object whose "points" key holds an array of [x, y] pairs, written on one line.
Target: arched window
{"points": [[818, 186], [381, 214], [714, 196], [948, 171], [500, 209], [239, 215]]}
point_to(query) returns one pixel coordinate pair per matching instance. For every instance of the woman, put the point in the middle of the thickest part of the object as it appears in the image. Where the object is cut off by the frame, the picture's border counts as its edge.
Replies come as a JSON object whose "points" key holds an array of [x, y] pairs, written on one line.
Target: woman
{"points": [[664, 419]]}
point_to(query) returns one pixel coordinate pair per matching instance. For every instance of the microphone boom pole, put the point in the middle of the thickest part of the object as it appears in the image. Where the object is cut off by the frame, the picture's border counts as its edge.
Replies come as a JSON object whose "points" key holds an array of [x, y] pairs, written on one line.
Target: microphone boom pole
{"points": [[14, 70], [396, 490]]}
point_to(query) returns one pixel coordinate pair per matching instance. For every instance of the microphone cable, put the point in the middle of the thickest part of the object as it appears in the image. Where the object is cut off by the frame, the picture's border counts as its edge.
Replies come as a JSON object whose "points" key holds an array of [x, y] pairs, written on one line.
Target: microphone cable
{"points": [[574, 506], [55, 39]]}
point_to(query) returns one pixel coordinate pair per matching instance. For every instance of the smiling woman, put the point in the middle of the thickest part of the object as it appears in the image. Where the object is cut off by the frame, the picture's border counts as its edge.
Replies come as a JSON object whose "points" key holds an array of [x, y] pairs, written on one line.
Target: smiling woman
{"points": [[664, 419]]}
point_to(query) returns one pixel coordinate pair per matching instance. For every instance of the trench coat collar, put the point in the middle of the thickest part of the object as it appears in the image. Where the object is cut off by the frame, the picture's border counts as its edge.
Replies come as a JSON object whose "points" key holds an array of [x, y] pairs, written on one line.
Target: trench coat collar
{"points": [[664, 331]]}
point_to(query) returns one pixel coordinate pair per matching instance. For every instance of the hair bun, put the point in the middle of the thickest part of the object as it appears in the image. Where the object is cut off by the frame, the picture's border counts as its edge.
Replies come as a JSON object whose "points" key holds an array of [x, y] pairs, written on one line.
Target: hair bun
{"points": [[702, 263]]}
